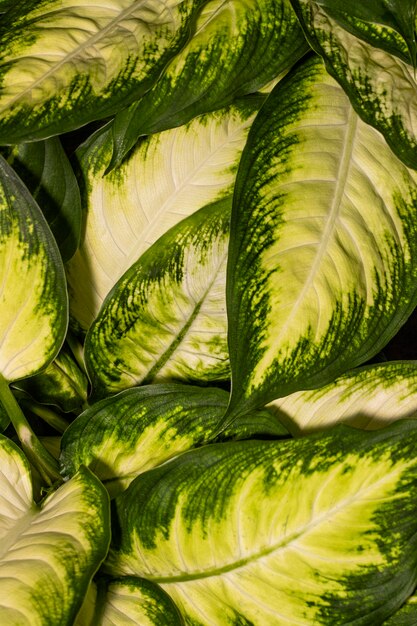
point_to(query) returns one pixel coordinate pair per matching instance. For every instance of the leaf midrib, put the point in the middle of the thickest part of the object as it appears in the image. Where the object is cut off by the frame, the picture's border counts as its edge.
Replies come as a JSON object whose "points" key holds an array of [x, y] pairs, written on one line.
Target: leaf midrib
{"points": [[283, 544], [17, 531]]}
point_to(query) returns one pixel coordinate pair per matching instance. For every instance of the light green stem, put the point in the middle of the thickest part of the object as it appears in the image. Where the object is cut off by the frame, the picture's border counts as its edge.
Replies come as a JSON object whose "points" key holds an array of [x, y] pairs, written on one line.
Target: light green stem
{"points": [[77, 351], [44, 462], [48, 415]]}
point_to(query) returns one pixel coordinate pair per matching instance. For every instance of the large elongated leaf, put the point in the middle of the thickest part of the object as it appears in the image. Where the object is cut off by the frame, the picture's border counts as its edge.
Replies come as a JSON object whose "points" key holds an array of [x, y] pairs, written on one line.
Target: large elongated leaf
{"points": [[33, 296], [291, 532], [48, 553], [128, 601], [166, 317], [368, 397], [406, 616], [65, 63], [123, 436], [168, 177], [46, 171], [381, 86], [323, 256], [390, 24], [236, 49]]}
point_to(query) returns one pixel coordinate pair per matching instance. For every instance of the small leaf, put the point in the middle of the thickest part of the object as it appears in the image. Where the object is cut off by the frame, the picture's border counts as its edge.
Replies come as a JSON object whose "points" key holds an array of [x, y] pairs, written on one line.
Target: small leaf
{"points": [[165, 319], [368, 397], [123, 436], [179, 170], [48, 553], [130, 601], [237, 48], [299, 532], [323, 250], [63, 65], [33, 296], [44, 168]]}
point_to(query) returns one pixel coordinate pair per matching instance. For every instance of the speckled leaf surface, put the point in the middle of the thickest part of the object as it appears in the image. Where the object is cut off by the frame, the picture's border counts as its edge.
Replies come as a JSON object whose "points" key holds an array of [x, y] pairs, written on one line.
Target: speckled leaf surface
{"points": [[381, 86], [323, 256], [237, 48], [406, 616], [168, 177], [67, 62], [165, 319], [128, 601], [45, 169], [316, 551], [33, 296], [123, 436], [50, 552], [368, 397]]}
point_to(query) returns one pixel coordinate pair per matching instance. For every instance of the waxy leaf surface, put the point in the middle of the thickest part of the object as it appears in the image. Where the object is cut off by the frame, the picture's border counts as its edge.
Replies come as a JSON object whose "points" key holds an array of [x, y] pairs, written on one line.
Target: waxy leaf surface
{"points": [[67, 62], [381, 87], [165, 319], [168, 177], [33, 296], [237, 47], [50, 552], [368, 397], [138, 429], [323, 255], [315, 551], [45, 169]]}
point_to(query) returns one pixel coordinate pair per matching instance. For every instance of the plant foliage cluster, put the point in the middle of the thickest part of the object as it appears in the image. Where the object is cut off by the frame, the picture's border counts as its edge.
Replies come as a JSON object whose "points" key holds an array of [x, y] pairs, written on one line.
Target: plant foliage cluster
{"points": [[208, 234]]}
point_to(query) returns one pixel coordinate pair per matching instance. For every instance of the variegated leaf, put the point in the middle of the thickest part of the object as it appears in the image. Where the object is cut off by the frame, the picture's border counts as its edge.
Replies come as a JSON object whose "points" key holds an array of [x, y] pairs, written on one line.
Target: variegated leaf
{"points": [[407, 614], [45, 169], [48, 553], [128, 601], [290, 532], [165, 319], [33, 296], [323, 250], [67, 62], [368, 397], [168, 177], [382, 87], [237, 48], [123, 436]]}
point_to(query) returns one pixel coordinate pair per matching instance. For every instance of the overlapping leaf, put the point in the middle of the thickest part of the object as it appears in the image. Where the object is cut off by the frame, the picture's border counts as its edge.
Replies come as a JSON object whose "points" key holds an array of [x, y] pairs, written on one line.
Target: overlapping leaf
{"points": [[168, 177], [369, 397], [48, 554], [406, 616], [64, 64], [33, 297], [381, 86], [323, 256], [129, 601], [318, 552], [237, 48], [44, 168], [165, 319], [122, 436]]}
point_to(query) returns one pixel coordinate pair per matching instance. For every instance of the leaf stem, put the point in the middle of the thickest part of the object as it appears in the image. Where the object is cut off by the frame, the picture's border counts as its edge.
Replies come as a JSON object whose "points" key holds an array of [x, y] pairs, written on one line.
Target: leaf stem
{"points": [[44, 462], [48, 415]]}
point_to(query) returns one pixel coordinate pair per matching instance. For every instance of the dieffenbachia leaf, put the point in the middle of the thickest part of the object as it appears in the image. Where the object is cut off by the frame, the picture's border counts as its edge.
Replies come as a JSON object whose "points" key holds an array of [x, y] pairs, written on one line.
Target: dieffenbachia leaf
{"points": [[283, 532], [407, 614], [33, 296], [168, 177], [62, 383], [64, 64], [165, 319], [237, 48], [323, 248], [128, 601], [45, 169], [123, 436], [369, 397], [381, 87], [389, 24], [48, 553]]}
